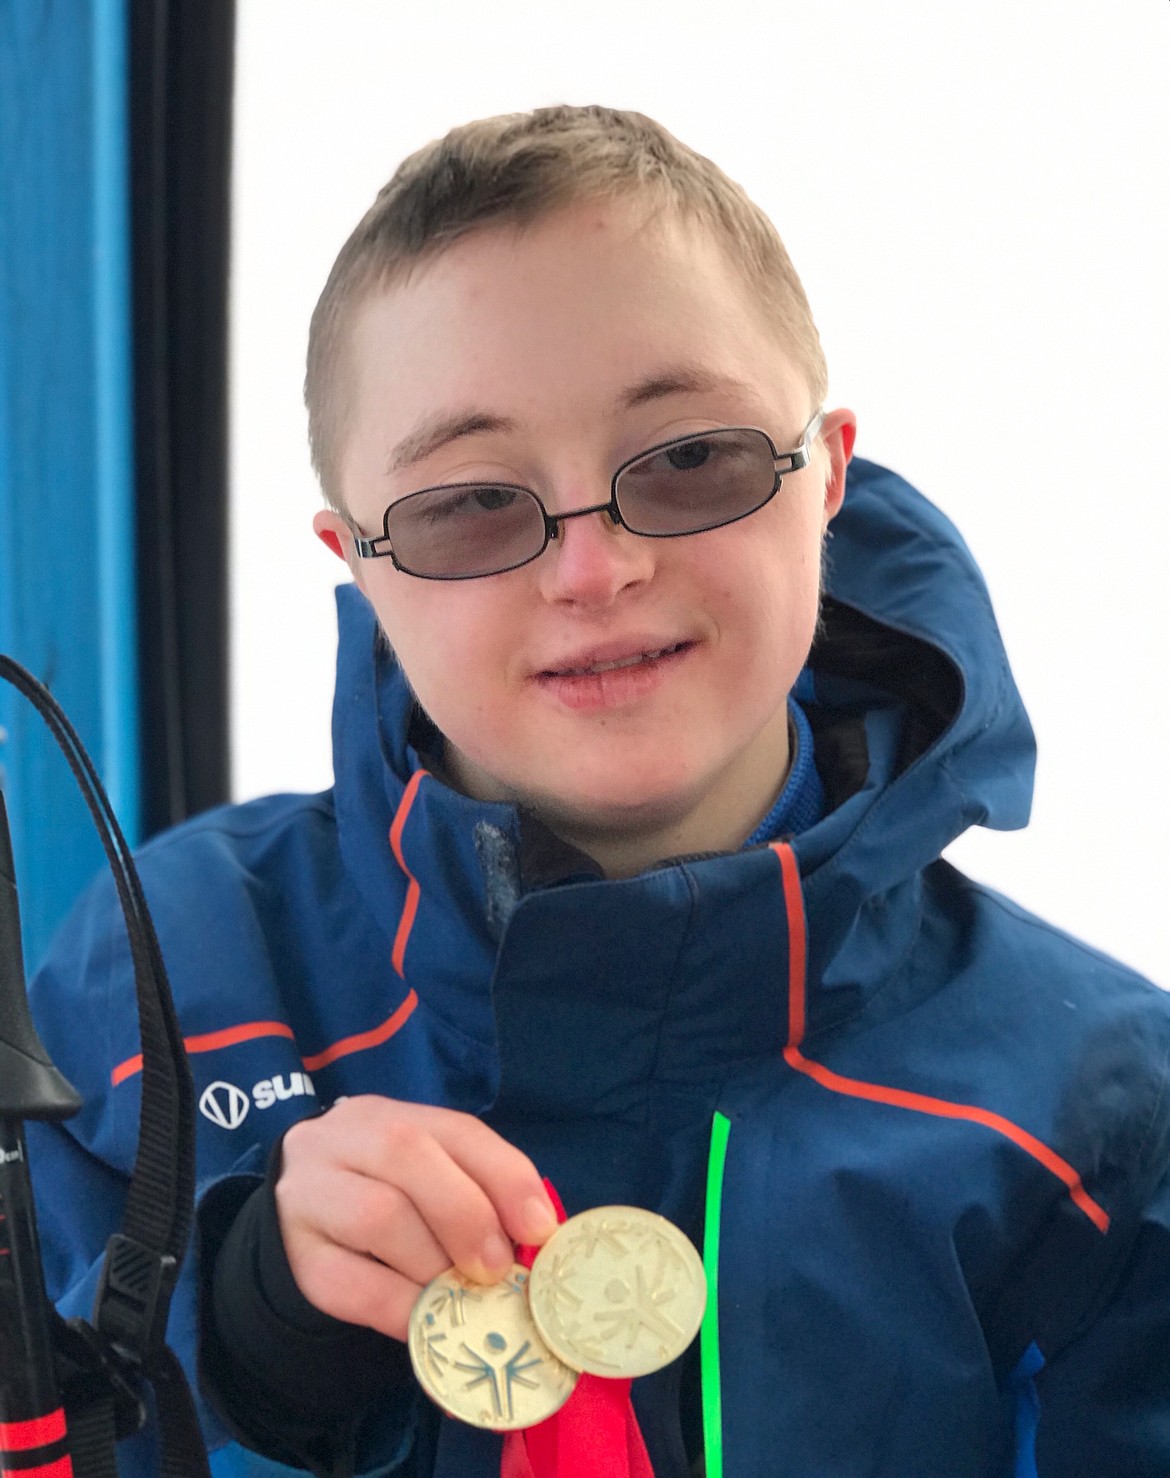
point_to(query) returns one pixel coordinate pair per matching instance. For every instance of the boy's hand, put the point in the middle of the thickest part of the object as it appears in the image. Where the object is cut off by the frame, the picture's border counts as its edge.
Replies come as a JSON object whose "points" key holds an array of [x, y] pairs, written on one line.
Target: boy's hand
{"points": [[377, 1197]]}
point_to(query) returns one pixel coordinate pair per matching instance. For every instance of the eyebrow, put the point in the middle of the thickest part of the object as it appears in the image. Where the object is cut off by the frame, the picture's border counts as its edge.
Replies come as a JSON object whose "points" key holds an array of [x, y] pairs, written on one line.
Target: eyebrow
{"points": [[680, 379], [438, 431]]}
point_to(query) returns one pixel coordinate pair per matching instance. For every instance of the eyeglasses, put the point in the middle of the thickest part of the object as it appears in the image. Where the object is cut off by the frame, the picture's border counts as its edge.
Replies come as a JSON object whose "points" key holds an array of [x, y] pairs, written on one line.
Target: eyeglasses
{"points": [[464, 531]]}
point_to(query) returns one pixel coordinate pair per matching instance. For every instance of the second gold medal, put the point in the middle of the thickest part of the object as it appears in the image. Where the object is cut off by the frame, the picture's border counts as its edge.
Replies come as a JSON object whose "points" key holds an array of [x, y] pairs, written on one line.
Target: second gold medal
{"points": [[617, 1291]]}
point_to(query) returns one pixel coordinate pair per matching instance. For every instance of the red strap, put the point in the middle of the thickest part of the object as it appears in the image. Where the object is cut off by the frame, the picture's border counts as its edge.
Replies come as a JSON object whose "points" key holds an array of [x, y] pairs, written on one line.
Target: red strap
{"points": [[594, 1435]]}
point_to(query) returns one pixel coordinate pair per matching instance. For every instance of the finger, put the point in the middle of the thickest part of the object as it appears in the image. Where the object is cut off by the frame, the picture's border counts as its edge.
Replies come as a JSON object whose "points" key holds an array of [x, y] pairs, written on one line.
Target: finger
{"points": [[450, 1201], [359, 1214], [506, 1175], [383, 1184], [359, 1290], [478, 1193]]}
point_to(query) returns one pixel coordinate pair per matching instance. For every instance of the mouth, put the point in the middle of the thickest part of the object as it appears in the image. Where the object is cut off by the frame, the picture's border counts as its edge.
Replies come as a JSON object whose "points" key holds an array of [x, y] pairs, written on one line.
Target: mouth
{"points": [[637, 659], [605, 681]]}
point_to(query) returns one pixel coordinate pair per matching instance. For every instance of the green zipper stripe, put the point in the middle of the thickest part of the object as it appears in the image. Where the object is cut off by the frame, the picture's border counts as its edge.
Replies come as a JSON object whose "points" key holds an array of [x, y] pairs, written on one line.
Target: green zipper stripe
{"points": [[709, 1335]]}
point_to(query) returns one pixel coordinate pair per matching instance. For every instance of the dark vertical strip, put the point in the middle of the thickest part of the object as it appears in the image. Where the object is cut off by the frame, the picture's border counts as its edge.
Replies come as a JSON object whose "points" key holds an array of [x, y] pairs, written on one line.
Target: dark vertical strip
{"points": [[181, 97], [160, 710]]}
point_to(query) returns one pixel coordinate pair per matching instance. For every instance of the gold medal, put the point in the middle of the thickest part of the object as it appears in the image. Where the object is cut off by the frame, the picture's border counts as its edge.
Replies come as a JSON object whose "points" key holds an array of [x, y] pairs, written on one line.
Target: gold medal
{"points": [[478, 1355], [617, 1291]]}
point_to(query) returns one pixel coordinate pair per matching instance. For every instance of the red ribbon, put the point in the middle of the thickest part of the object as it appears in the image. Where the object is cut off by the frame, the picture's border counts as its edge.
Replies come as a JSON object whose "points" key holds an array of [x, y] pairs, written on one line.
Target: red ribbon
{"points": [[595, 1434]]}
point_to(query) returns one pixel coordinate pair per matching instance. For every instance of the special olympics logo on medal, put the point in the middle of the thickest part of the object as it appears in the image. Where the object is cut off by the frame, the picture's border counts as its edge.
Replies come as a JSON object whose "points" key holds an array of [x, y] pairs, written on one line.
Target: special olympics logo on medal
{"points": [[224, 1104]]}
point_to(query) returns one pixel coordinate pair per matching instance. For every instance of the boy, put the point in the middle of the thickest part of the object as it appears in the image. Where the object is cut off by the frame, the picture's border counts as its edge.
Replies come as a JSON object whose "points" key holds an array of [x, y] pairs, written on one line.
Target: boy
{"points": [[621, 885]]}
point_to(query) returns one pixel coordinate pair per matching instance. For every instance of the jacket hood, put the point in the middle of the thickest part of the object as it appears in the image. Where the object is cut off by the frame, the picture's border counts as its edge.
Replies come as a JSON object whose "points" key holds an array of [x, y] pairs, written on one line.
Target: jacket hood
{"points": [[920, 731], [907, 617]]}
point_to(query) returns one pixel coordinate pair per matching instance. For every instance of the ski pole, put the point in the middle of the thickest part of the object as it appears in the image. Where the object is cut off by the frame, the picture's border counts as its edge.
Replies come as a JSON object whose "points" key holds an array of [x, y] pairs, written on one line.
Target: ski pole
{"points": [[33, 1437]]}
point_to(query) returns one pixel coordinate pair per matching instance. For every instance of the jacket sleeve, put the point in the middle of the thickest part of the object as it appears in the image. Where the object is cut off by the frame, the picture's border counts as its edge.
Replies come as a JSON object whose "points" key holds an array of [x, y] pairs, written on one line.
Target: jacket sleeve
{"points": [[291, 1382], [1105, 1398], [84, 1004]]}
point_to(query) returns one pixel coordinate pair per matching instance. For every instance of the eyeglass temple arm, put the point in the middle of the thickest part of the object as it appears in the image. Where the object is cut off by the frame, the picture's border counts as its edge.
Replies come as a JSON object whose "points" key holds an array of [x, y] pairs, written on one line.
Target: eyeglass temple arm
{"points": [[368, 548], [795, 460]]}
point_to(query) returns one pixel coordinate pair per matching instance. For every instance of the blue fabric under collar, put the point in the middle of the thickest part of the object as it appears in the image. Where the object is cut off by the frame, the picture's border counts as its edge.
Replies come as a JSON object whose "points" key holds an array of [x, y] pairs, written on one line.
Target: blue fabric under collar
{"points": [[801, 803]]}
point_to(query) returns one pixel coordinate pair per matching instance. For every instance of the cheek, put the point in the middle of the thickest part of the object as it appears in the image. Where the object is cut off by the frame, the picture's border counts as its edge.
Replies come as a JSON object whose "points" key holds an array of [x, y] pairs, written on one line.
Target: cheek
{"points": [[777, 622], [774, 584], [446, 648]]}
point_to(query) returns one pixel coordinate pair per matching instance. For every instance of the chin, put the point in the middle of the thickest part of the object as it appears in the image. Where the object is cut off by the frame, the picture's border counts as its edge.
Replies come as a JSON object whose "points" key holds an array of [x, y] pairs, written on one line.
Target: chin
{"points": [[615, 799], [606, 812]]}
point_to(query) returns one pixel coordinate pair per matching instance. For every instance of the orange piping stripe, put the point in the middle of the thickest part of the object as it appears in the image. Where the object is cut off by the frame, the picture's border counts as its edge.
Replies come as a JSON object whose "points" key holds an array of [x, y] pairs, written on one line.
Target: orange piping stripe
{"points": [[898, 1097], [209, 1041], [797, 949], [410, 907], [941, 1108], [230, 1036], [374, 1038], [363, 1040]]}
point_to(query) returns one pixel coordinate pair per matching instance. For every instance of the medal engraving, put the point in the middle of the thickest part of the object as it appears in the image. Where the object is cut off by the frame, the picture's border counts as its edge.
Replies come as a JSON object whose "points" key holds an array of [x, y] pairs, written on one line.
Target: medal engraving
{"points": [[478, 1355], [617, 1291]]}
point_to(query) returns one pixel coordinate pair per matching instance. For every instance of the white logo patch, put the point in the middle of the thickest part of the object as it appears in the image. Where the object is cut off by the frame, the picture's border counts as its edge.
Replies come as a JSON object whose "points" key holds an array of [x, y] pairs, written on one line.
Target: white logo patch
{"points": [[227, 1106], [224, 1104]]}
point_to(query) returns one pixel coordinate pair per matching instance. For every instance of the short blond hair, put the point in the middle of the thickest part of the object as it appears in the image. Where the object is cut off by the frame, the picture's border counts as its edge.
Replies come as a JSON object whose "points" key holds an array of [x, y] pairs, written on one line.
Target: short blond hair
{"points": [[516, 169]]}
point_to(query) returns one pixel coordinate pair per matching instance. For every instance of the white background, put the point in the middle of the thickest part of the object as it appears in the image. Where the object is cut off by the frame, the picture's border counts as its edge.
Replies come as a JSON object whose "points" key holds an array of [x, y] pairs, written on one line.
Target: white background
{"points": [[977, 199]]}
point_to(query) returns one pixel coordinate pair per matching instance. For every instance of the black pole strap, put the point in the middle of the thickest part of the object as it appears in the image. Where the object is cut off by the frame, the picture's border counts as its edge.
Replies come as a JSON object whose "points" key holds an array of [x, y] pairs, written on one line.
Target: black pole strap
{"points": [[159, 1201], [103, 1363]]}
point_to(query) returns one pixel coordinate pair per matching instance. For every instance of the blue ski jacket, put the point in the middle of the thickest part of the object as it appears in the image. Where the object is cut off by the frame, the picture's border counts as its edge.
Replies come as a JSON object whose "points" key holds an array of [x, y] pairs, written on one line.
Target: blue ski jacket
{"points": [[921, 1137]]}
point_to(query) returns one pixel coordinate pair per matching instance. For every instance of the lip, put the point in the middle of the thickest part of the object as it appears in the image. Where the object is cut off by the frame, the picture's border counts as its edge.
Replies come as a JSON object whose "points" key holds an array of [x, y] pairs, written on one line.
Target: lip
{"points": [[614, 687], [627, 649]]}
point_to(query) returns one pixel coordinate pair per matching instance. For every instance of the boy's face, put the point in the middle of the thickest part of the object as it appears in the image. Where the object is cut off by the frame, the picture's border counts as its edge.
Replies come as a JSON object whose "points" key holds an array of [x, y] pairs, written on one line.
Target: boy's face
{"points": [[565, 350]]}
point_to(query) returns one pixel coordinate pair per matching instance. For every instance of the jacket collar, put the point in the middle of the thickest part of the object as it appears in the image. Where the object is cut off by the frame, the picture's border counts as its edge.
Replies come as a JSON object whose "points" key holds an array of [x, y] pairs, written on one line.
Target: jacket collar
{"points": [[919, 733]]}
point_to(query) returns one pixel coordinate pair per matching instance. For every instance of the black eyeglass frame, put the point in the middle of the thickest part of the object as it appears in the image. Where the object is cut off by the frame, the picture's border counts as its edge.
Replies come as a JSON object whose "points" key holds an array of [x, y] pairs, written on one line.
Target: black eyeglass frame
{"points": [[783, 462]]}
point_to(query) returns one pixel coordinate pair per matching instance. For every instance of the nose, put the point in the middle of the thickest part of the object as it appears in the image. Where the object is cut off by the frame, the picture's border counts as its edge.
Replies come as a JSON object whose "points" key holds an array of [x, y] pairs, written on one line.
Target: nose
{"points": [[593, 559]]}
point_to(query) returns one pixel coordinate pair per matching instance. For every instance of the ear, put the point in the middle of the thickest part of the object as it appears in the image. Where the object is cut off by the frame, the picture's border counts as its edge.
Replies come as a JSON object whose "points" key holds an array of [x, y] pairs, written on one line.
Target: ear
{"points": [[838, 433], [335, 534]]}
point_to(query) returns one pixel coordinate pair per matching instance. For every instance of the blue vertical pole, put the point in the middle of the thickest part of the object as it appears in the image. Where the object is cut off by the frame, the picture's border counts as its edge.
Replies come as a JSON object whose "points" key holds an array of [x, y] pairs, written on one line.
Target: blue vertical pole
{"points": [[66, 477], [114, 463]]}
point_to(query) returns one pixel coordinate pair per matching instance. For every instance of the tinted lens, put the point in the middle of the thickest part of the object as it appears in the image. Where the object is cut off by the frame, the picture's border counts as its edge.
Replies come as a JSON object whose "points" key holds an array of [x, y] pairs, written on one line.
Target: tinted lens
{"points": [[697, 483], [465, 530]]}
